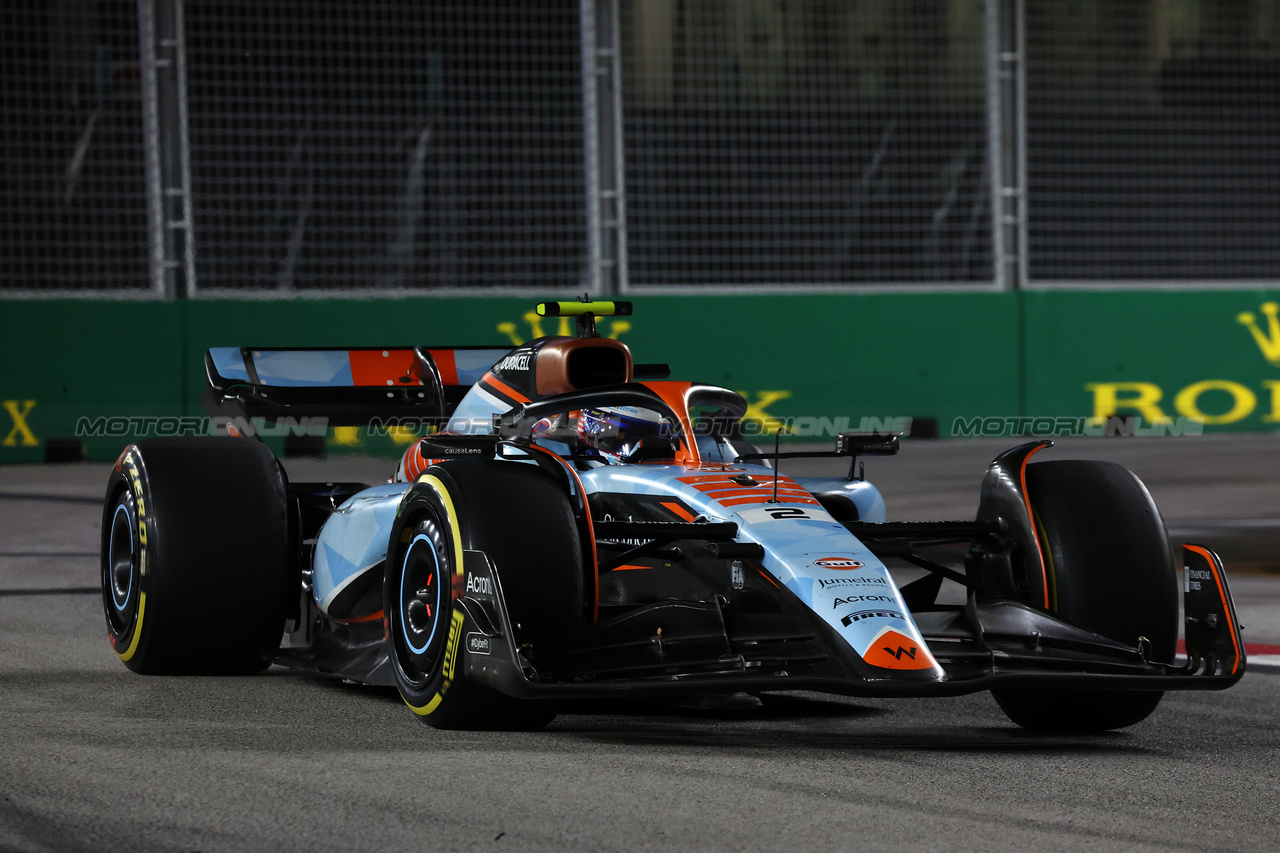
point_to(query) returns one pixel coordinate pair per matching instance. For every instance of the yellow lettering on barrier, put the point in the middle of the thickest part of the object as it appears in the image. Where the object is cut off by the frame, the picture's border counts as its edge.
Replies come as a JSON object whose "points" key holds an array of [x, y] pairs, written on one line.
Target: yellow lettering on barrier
{"points": [[348, 436], [1268, 342], [20, 427], [402, 435], [617, 328], [1243, 401], [1107, 400], [1273, 386], [756, 410]]}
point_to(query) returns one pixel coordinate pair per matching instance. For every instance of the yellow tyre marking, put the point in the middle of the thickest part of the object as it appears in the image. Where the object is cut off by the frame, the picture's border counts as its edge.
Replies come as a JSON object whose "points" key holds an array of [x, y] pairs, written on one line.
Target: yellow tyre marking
{"points": [[455, 534], [424, 709], [455, 626], [451, 650], [140, 507], [450, 661], [137, 629]]}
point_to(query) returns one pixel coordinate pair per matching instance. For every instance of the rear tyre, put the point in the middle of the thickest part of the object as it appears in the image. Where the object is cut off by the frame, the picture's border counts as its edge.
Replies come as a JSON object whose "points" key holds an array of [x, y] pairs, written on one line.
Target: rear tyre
{"points": [[195, 556], [523, 521], [1110, 571]]}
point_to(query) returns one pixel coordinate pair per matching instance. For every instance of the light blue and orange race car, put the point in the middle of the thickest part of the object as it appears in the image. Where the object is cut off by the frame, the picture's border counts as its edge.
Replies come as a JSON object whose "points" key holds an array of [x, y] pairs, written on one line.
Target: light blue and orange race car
{"points": [[577, 526]]}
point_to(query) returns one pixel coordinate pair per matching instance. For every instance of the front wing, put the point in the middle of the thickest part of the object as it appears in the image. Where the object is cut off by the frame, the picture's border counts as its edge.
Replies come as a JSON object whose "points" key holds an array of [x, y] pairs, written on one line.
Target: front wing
{"points": [[676, 648]]}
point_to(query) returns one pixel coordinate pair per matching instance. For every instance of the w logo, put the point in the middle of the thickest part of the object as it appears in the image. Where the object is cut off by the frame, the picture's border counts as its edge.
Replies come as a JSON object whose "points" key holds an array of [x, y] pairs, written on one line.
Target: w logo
{"points": [[1268, 341], [894, 650]]}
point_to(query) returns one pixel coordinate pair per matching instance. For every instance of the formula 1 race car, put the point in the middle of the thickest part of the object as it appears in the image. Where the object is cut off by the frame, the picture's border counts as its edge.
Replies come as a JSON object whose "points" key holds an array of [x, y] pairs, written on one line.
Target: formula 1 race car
{"points": [[575, 525]]}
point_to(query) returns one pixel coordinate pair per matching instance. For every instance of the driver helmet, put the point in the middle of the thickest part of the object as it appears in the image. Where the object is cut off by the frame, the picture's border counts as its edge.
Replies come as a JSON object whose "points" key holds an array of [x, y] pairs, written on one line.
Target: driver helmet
{"points": [[615, 432]]}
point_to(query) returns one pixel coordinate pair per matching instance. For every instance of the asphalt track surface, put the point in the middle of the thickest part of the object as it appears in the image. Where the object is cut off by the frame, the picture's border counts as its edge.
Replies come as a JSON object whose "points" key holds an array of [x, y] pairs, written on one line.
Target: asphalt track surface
{"points": [[93, 757]]}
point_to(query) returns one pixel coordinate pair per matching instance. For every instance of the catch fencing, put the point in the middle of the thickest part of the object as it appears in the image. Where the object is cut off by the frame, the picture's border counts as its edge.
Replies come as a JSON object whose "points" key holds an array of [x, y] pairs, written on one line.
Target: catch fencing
{"points": [[187, 148]]}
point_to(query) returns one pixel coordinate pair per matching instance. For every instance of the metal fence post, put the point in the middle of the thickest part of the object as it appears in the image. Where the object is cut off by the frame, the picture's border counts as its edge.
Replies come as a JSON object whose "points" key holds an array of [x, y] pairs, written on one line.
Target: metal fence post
{"points": [[602, 146], [162, 60], [1007, 139], [157, 234]]}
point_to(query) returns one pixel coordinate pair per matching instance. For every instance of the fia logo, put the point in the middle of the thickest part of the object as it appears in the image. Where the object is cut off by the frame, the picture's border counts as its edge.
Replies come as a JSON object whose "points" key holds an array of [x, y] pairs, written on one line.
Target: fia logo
{"points": [[736, 575], [1268, 342]]}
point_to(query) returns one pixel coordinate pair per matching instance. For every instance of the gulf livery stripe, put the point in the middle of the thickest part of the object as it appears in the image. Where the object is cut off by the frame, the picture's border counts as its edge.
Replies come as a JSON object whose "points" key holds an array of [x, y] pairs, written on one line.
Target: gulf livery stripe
{"points": [[679, 510], [1226, 602], [1026, 500], [502, 389], [732, 490], [674, 394], [371, 368], [728, 492], [767, 498], [768, 577]]}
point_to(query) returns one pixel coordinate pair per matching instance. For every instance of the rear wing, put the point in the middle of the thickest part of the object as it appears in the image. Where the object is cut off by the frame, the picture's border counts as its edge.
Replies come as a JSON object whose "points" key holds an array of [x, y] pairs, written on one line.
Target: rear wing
{"points": [[347, 387]]}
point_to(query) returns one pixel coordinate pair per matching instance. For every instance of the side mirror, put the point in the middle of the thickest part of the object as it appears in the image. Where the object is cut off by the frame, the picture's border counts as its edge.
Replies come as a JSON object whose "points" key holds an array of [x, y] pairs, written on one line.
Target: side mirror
{"points": [[866, 444]]}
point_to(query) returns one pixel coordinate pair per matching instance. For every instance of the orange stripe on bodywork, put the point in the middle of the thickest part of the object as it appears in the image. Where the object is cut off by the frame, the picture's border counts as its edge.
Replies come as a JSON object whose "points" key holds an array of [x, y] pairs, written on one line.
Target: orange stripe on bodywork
{"points": [[719, 494], [503, 388], [767, 498], [413, 463], [711, 482], [631, 568], [372, 368], [1026, 499], [675, 395], [767, 577], [369, 618], [678, 510], [729, 490], [1226, 604], [446, 364], [726, 492]]}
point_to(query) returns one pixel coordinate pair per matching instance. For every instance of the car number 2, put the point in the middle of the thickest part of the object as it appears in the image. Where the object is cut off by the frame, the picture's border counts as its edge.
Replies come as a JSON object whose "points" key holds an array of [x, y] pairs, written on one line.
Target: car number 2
{"points": [[784, 513]]}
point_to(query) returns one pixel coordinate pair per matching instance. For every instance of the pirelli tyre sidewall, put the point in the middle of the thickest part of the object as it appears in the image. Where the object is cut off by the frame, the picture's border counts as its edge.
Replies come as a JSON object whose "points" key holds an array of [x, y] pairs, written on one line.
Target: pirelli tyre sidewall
{"points": [[195, 556], [421, 624], [522, 520], [125, 523]]}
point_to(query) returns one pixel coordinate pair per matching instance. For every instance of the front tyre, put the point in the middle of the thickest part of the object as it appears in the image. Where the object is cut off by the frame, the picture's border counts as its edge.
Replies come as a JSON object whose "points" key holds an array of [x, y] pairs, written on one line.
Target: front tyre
{"points": [[1110, 571], [523, 521]]}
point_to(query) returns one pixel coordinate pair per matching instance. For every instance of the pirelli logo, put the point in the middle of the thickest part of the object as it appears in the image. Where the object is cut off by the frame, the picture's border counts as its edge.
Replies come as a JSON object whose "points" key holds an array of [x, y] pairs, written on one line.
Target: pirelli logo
{"points": [[451, 649]]}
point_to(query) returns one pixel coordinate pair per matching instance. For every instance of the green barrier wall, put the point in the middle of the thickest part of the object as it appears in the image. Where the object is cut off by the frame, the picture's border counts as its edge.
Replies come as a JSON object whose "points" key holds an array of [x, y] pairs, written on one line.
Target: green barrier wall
{"points": [[872, 360], [977, 363], [1175, 355]]}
